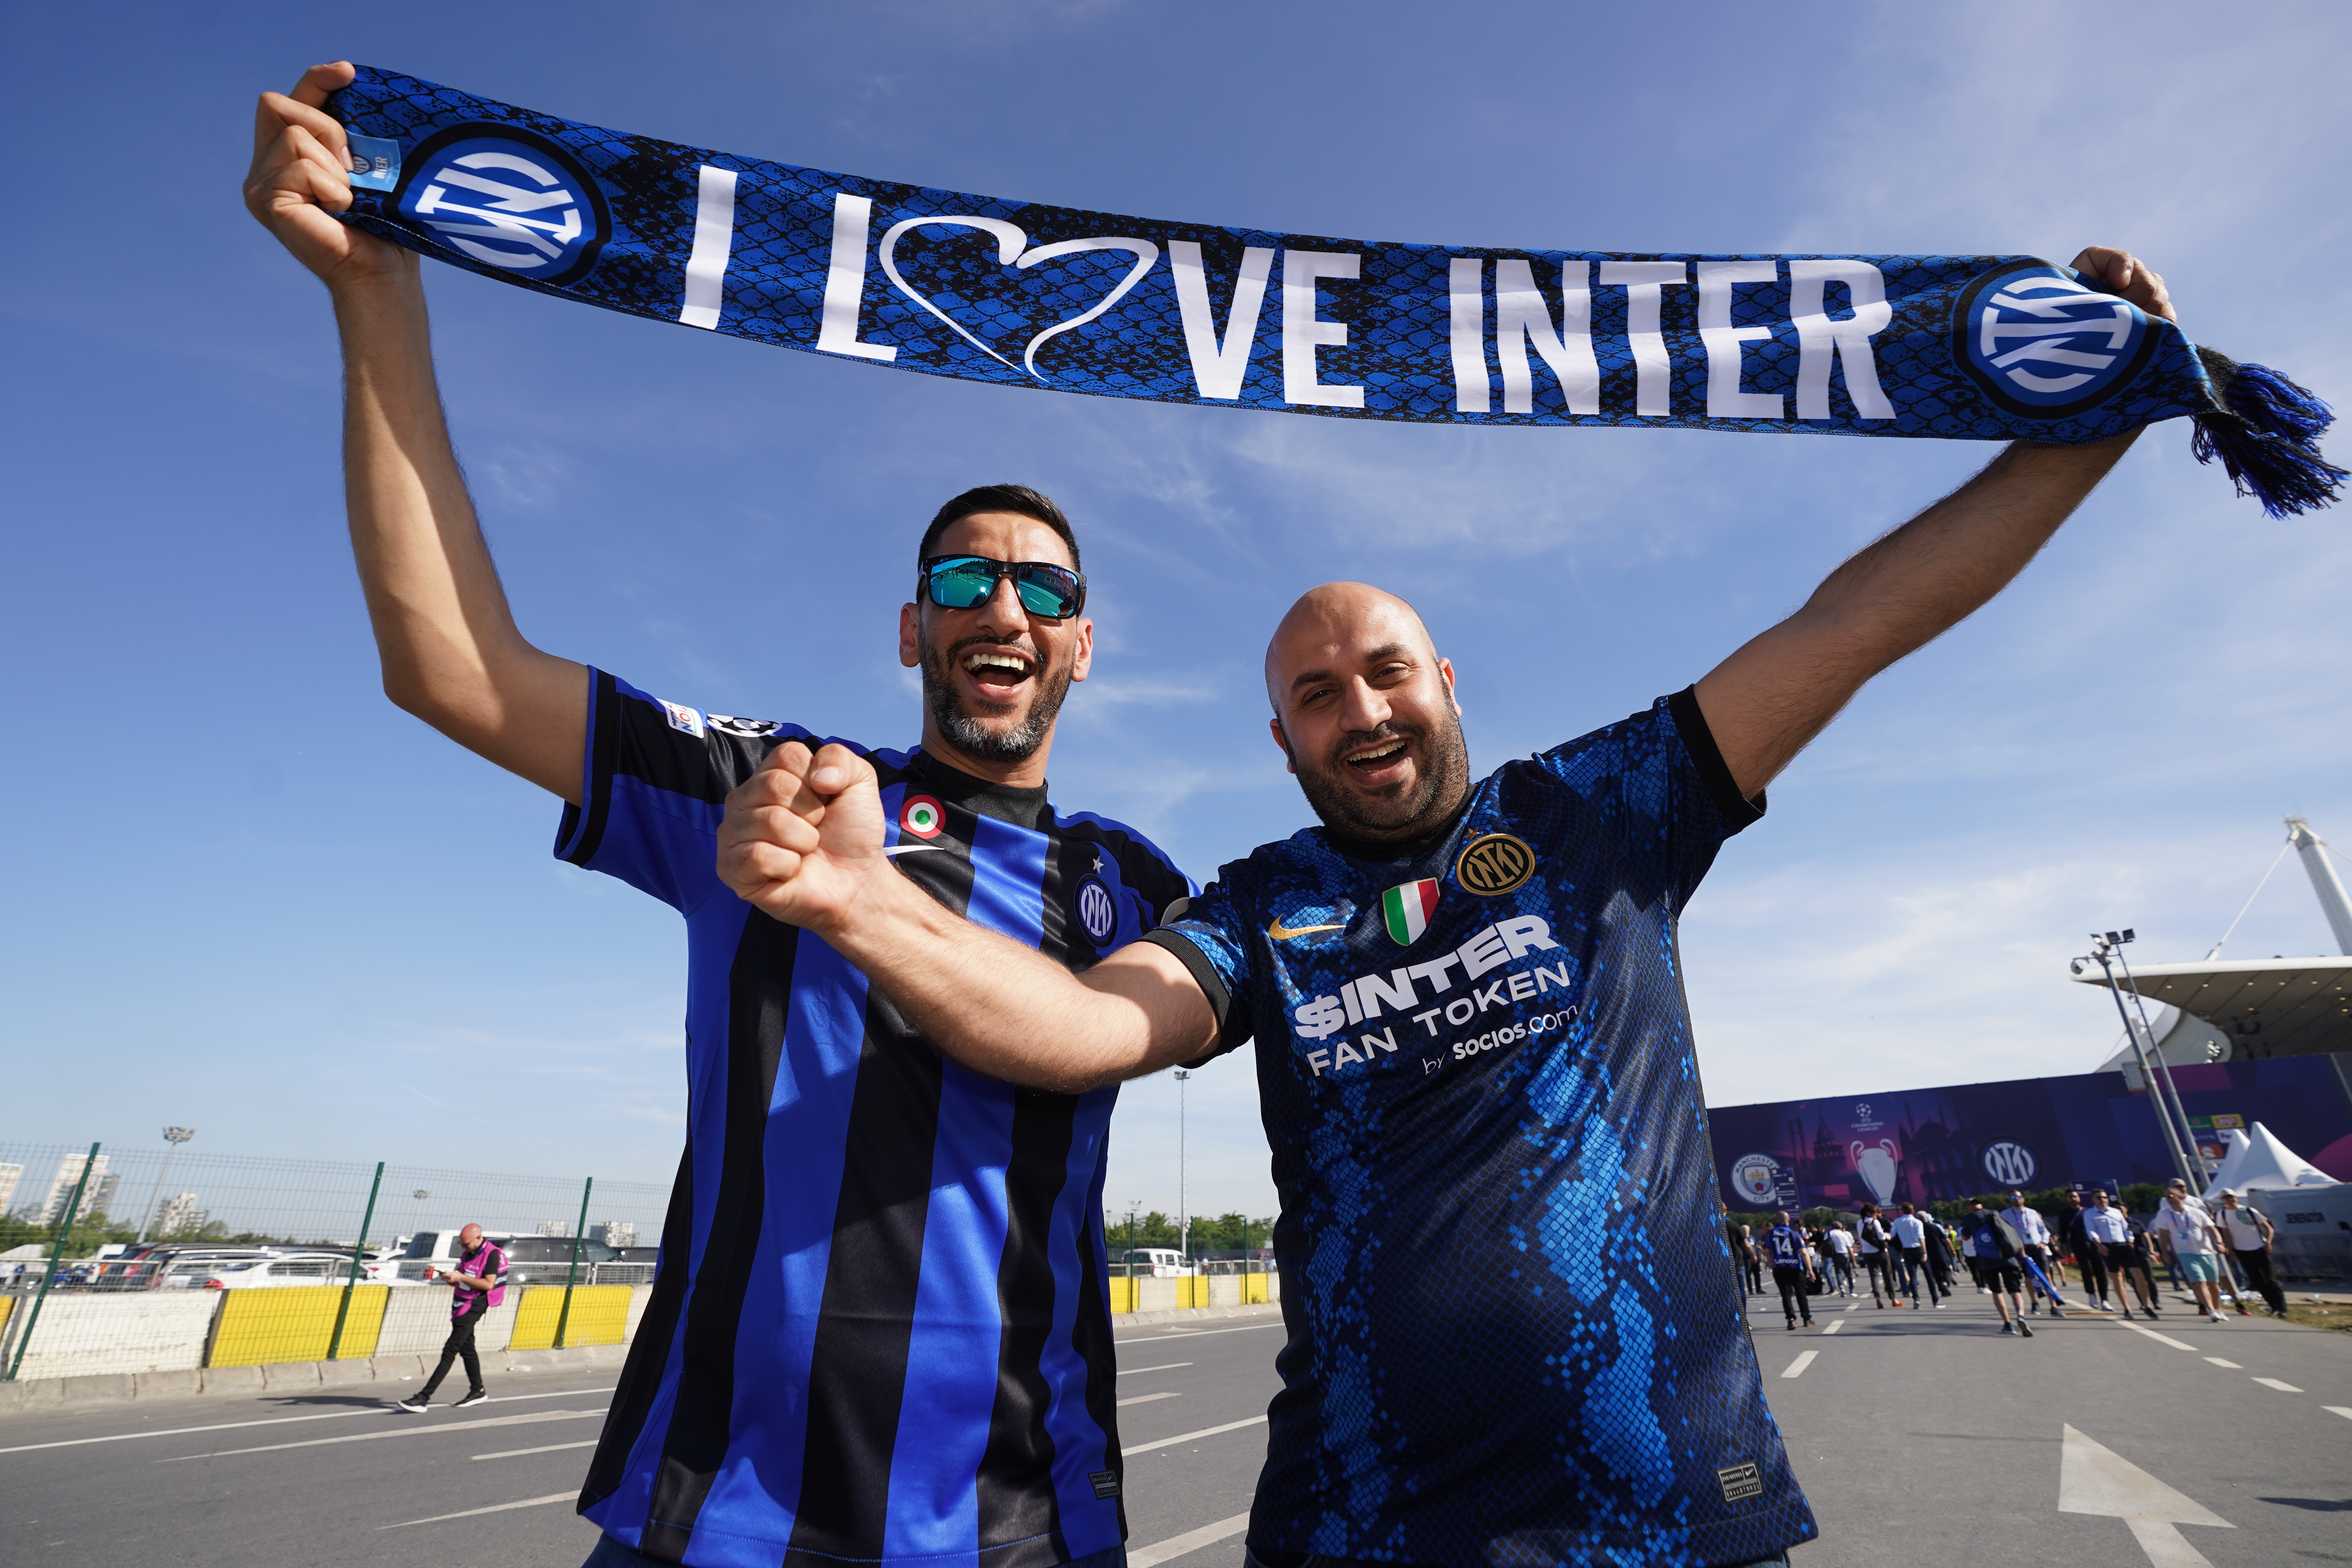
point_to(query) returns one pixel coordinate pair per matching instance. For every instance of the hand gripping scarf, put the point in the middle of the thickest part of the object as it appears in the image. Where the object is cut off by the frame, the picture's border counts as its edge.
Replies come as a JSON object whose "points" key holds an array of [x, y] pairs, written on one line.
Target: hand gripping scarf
{"points": [[1968, 347]]}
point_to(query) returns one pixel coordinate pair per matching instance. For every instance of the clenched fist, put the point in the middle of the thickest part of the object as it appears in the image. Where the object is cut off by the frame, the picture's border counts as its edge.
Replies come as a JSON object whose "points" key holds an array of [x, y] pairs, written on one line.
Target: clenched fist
{"points": [[802, 839]]}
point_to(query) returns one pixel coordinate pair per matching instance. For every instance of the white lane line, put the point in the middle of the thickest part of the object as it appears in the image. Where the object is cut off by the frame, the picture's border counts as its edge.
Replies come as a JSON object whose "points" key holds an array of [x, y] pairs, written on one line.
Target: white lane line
{"points": [[278, 1421], [2274, 1383], [1187, 1437], [1145, 1399], [1165, 1367], [2160, 1339], [572, 1496], [1797, 1367], [1192, 1541], [2217, 1361], [2343, 1410], [1197, 1333], [1855, 1308], [550, 1448], [397, 1432], [1835, 1326]]}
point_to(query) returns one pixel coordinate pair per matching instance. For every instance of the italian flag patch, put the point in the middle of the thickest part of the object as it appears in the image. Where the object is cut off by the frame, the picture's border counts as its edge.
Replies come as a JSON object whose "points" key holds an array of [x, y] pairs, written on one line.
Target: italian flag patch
{"points": [[1407, 909]]}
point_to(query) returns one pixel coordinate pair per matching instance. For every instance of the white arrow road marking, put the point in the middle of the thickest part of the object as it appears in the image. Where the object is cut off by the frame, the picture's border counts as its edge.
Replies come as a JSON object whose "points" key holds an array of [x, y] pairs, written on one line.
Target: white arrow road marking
{"points": [[1186, 1437], [1833, 1328], [1176, 1546], [1797, 1367], [2274, 1383], [572, 1496], [1145, 1398], [2097, 1481]]}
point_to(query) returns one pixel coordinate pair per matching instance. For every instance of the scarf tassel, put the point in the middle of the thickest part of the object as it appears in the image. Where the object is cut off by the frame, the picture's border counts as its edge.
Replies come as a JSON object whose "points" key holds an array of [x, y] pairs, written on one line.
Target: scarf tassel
{"points": [[2266, 429]]}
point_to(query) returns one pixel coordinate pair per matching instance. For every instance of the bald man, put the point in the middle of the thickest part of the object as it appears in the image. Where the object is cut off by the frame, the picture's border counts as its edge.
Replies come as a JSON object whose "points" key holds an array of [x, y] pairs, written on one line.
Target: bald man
{"points": [[1504, 1286]]}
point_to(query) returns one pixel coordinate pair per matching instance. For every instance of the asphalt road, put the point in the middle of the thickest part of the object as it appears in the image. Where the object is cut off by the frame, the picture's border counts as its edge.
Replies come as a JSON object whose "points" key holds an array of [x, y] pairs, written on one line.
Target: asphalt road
{"points": [[1917, 1434]]}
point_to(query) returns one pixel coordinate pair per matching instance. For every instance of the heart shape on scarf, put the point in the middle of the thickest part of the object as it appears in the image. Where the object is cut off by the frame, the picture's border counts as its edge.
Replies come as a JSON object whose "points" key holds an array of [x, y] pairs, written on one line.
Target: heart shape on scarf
{"points": [[1012, 250]]}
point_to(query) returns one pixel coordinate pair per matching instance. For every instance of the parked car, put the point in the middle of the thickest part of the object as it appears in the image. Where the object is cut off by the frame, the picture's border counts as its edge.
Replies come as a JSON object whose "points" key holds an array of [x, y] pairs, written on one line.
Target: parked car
{"points": [[170, 1267], [280, 1268]]}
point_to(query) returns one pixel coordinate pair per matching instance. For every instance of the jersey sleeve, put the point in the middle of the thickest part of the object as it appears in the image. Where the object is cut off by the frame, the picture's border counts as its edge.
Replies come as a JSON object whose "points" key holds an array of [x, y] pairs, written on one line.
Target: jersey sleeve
{"points": [[1213, 939], [1658, 784], [654, 786]]}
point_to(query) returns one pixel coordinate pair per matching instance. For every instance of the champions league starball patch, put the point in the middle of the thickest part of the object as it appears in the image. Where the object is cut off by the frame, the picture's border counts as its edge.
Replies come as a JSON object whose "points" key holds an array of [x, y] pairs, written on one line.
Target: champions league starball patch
{"points": [[985, 289]]}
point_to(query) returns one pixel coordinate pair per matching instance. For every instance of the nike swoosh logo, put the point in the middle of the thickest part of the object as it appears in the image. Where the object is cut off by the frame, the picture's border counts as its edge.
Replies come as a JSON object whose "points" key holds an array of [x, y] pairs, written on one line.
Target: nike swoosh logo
{"points": [[1281, 932]]}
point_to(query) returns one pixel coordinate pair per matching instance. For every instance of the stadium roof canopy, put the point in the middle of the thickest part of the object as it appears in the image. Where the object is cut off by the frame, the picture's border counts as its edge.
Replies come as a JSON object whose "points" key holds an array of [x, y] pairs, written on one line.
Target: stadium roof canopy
{"points": [[2268, 1007]]}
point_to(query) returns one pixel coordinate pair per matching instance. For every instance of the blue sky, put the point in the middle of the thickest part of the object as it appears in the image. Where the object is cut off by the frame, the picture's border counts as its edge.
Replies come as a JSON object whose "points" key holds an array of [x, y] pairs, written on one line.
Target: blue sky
{"points": [[278, 910]]}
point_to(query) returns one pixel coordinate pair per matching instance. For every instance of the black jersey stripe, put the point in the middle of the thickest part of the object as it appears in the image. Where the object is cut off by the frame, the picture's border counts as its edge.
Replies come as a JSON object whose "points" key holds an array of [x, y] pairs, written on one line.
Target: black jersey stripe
{"points": [[760, 989], [857, 1371], [582, 831], [1015, 1481], [641, 1375]]}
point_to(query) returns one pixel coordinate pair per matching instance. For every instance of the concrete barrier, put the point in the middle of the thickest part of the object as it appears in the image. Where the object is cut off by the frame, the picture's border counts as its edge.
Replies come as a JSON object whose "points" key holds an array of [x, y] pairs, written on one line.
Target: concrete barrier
{"points": [[91, 1335]]}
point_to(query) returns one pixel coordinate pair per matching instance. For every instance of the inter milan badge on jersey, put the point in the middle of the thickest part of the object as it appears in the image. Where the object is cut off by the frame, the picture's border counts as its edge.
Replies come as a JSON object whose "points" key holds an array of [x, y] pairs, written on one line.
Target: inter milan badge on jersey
{"points": [[921, 817], [1407, 908], [2038, 343], [1098, 915], [1493, 865], [505, 197]]}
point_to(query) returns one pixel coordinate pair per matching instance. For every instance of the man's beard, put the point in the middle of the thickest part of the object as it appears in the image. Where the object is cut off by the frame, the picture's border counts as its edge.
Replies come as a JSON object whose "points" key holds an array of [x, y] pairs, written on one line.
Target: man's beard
{"points": [[971, 734], [1445, 763]]}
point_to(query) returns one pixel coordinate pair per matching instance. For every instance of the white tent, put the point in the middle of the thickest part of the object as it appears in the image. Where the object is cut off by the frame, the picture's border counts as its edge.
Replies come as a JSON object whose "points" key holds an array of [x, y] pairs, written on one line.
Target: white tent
{"points": [[2259, 1160]]}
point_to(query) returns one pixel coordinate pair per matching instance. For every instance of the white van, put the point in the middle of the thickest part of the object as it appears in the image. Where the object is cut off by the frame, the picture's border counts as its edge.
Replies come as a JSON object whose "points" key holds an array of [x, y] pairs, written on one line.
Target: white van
{"points": [[1153, 1263]]}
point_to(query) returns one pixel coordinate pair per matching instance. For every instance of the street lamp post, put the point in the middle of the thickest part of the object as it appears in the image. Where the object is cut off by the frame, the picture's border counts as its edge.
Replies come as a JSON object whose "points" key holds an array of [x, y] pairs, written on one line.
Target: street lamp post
{"points": [[174, 1136], [1183, 1215]]}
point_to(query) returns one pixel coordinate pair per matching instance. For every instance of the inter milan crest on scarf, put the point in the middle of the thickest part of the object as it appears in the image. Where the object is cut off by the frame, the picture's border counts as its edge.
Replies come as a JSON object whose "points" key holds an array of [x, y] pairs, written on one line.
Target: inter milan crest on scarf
{"points": [[1968, 347]]}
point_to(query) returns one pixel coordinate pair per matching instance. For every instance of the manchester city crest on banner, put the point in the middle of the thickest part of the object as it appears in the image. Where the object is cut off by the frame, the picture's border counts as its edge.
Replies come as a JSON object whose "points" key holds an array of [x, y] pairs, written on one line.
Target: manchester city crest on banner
{"points": [[508, 198], [2037, 343]]}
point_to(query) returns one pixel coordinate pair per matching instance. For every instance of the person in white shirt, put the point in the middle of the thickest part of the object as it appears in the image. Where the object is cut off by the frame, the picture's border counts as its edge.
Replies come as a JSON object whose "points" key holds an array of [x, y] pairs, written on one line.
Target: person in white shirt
{"points": [[1841, 1248], [2186, 1227], [2033, 1237], [2250, 1234], [2123, 1248], [1911, 1238]]}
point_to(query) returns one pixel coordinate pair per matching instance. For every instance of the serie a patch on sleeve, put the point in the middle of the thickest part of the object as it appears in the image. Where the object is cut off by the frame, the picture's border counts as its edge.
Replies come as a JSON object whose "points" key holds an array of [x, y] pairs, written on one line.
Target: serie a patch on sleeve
{"points": [[1024, 293]]}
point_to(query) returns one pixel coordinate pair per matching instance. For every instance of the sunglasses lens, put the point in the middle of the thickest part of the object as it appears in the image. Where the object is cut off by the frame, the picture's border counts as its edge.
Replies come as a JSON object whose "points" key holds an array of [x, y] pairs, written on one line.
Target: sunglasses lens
{"points": [[961, 584], [1047, 591]]}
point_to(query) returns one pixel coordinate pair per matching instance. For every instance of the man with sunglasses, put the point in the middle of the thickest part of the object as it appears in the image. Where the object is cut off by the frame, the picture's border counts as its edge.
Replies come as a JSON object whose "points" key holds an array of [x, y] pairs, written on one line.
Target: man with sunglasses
{"points": [[878, 1331], [1507, 1340]]}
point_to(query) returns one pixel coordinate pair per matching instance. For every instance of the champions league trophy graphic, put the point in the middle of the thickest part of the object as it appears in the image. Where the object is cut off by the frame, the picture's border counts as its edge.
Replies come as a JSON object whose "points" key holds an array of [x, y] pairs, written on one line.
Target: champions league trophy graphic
{"points": [[1876, 1163]]}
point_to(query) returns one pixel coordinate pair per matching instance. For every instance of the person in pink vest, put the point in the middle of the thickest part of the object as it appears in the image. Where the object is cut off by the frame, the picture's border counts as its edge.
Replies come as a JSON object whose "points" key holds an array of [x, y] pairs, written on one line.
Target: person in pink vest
{"points": [[478, 1284]]}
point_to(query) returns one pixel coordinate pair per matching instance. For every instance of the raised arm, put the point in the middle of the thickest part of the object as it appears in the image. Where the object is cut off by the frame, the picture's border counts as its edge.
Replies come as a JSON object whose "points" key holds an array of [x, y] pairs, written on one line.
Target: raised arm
{"points": [[802, 840], [450, 650], [1769, 698]]}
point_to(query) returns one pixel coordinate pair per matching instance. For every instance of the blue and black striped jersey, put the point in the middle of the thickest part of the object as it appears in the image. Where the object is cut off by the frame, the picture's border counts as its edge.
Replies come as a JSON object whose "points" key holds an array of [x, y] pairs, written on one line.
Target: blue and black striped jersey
{"points": [[1515, 1332], [878, 1331]]}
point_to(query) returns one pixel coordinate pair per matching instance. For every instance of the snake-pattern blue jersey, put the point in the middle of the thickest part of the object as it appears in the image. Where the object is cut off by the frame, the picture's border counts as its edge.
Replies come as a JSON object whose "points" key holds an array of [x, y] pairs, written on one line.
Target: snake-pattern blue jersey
{"points": [[1514, 1337], [878, 1331]]}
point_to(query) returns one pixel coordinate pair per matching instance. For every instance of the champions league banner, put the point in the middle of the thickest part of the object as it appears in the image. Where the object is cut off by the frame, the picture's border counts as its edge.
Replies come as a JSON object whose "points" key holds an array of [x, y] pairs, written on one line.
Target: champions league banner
{"points": [[1926, 1145], [1965, 347]]}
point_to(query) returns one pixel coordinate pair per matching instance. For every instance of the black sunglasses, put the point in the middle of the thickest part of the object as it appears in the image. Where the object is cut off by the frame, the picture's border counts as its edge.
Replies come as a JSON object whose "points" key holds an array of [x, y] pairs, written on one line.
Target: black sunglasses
{"points": [[966, 581]]}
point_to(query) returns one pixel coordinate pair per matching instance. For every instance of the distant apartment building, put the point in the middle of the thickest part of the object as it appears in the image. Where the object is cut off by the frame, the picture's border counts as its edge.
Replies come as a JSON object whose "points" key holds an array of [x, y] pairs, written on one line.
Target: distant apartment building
{"points": [[177, 1216], [62, 1185], [9, 1176], [614, 1233]]}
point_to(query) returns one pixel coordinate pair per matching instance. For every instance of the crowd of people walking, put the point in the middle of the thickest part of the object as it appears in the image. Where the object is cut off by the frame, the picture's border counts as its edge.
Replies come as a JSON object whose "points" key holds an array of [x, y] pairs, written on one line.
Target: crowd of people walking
{"points": [[2019, 1256]]}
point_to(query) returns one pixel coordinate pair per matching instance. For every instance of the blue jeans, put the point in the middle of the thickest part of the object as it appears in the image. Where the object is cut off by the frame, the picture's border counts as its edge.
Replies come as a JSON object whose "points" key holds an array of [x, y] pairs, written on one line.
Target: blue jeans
{"points": [[612, 1554]]}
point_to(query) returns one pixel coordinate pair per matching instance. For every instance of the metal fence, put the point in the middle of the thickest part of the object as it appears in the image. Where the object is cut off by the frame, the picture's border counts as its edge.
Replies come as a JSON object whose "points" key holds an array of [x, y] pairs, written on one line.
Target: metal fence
{"points": [[129, 1259]]}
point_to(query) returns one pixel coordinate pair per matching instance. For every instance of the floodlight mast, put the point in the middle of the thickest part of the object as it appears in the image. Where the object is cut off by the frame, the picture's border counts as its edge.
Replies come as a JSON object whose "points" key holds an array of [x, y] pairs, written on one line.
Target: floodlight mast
{"points": [[2101, 947], [174, 1136]]}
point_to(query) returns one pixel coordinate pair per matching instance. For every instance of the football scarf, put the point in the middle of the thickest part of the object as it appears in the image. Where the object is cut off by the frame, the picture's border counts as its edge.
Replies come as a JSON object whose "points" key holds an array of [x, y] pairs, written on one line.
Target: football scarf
{"points": [[1967, 347]]}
